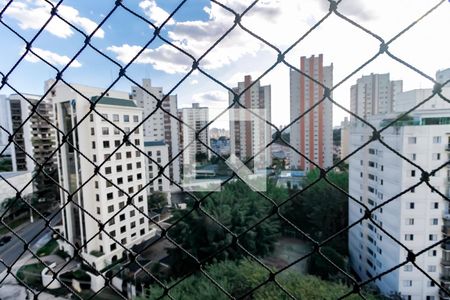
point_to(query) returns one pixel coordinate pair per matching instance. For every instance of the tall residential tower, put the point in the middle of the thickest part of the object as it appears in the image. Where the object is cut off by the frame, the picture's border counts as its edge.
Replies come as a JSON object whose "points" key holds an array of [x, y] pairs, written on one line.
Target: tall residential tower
{"points": [[312, 134]]}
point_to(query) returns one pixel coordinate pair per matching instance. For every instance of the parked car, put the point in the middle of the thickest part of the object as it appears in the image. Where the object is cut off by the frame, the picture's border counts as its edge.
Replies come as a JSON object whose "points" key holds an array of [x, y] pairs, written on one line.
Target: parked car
{"points": [[5, 239]]}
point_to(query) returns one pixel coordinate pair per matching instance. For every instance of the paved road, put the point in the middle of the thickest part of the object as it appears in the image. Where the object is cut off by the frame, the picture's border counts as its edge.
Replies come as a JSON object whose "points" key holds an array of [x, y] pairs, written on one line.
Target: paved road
{"points": [[13, 250]]}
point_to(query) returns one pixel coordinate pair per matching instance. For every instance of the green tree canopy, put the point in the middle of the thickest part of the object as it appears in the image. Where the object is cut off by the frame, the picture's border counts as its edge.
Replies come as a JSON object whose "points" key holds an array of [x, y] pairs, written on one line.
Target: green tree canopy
{"points": [[238, 208], [322, 210], [239, 277]]}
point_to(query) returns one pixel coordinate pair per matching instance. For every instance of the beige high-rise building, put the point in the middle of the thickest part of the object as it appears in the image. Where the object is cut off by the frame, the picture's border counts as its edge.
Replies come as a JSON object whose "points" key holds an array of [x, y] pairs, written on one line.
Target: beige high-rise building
{"points": [[249, 137], [374, 94]]}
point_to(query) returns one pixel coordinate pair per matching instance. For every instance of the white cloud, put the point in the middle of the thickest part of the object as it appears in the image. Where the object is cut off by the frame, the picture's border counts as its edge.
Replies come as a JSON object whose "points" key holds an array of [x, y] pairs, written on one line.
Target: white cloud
{"points": [[155, 13], [51, 57], [32, 14], [194, 81], [212, 97]]}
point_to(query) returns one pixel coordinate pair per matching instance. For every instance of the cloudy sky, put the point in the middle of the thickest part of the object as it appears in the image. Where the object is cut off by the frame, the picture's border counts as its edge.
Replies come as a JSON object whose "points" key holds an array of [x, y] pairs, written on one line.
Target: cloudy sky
{"points": [[200, 23]]}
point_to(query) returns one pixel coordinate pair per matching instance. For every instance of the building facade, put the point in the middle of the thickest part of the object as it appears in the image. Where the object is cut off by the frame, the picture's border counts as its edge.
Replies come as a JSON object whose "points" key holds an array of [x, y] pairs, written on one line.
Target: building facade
{"points": [[312, 134], [250, 135], [418, 218], [374, 94], [102, 192], [195, 118], [5, 127], [158, 151], [160, 126]]}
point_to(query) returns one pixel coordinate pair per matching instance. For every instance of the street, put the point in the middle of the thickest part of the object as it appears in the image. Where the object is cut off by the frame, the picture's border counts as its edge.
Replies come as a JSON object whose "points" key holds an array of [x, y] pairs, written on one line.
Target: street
{"points": [[13, 250]]}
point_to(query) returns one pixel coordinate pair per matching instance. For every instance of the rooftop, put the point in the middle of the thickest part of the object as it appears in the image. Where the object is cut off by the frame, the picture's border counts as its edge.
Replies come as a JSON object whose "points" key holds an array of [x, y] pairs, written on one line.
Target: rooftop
{"points": [[114, 101]]}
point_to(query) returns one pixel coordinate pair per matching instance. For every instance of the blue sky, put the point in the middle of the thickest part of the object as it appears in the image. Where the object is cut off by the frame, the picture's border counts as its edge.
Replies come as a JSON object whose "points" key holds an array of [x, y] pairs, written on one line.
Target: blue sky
{"points": [[198, 24]]}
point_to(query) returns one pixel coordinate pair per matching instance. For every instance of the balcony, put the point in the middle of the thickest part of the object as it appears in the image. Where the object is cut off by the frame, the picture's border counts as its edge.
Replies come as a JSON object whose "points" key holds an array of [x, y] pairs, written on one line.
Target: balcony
{"points": [[446, 229], [445, 246], [447, 147], [443, 295]]}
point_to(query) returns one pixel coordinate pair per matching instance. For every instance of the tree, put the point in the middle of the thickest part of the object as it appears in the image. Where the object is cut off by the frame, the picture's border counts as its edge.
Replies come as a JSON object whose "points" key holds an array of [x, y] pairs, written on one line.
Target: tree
{"points": [[238, 277], [322, 210], [157, 200], [317, 265], [237, 208]]}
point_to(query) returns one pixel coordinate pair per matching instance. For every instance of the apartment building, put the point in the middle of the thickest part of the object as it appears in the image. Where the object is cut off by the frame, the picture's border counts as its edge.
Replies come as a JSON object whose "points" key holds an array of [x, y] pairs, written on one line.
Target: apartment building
{"points": [[250, 135], [100, 179], [195, 118], [417, 219], [374, 94], [158, 151], [5, 126], [311, 135], [36, 137], [159, 125]]}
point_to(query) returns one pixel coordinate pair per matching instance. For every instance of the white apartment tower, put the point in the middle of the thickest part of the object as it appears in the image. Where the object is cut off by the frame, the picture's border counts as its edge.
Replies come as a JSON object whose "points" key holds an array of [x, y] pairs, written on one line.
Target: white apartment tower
{"points": [[249, 134], [105, 195], [159, 126], [5, 127], [311, 135], [374, 94], [36, 137], [420, 217], [196, 118]]}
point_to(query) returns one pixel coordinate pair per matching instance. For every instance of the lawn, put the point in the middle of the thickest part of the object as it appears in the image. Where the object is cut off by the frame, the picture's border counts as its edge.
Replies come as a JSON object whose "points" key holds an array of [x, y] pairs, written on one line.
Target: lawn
{"points": [[31, 275], [48, 248], [13, 224]]}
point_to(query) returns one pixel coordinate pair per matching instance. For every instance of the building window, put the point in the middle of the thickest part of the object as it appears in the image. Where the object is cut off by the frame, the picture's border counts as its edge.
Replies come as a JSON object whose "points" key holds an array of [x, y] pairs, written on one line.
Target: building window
{"points": [[411, 205], [98, 210], [118, 156], [126, 118], [434, 221], [130, 178], [141, 221], [132, 213], [105, 144], [123, 229], [108, 170], [435, 205], [121, 205], [110, 209], [432, 252], [105, 117], [113, 247], [109, 196], [116, 143], [133, 224], [93, 145], [128, 154], [105, 130], [142, 232], [139, 176], [408, 268], [122, 217], [436, 156], [432, 237], [436, 139], [92, 131], [413, 173], [119, 168], [410, 221], [115, 118], [137, 142], [129, 166], [119, 180], [123, 241], [135, 118], [412, 140], [91, 117], [112, 233], [431, 269], [138, 165], [407, 283], [111, 222], [413, 156], [409, 237]]}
